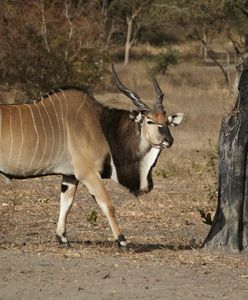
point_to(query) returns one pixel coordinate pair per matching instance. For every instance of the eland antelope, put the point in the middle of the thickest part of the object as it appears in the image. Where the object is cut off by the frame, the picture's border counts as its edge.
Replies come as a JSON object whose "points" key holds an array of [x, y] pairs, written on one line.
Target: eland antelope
{"points": [[68, 132]]}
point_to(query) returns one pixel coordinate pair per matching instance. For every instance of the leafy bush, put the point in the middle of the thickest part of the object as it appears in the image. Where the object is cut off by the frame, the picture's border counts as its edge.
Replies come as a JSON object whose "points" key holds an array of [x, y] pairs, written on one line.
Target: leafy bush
{"points": [[163, 60], [64, 46]]}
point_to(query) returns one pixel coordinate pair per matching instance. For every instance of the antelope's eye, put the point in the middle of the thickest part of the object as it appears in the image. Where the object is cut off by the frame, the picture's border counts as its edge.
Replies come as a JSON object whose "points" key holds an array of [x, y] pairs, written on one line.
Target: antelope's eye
{"points": [[150, 122]]}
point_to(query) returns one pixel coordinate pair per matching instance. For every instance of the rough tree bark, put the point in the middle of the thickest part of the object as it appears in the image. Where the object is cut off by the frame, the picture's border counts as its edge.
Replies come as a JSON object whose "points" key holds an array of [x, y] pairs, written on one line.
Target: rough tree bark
{"points": [[229, 230]]}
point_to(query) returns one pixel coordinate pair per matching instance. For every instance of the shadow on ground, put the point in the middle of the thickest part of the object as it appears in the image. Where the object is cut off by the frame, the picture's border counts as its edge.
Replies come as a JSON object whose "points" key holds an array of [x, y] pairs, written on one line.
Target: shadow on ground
{"points": [[134, 247]]}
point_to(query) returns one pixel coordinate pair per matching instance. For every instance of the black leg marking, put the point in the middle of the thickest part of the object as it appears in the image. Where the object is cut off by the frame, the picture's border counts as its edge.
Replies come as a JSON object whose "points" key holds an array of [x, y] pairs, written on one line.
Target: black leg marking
{"points": [[61, 242], [64, 188], [121, 241]]}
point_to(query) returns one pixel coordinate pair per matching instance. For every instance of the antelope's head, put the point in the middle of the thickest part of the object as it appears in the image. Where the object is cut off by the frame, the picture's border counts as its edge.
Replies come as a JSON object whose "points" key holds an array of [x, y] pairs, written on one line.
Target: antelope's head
{"points": [[154, 122]]}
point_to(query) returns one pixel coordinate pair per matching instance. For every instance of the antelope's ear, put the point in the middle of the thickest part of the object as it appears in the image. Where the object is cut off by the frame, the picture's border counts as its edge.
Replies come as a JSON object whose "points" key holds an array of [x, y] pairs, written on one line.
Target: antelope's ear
{"points": [[175, 119], [136, 116]]}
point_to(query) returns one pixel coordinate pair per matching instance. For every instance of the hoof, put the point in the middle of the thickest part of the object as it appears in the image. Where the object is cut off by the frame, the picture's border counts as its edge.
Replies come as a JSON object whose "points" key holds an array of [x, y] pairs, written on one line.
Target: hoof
{"points": [[63, 241], [121, 241]]}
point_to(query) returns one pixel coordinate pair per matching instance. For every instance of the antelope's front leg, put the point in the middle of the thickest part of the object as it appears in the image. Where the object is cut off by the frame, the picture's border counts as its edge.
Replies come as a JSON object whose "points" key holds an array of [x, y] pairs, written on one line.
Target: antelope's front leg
{"points": [[68, 190], [95, 186]]}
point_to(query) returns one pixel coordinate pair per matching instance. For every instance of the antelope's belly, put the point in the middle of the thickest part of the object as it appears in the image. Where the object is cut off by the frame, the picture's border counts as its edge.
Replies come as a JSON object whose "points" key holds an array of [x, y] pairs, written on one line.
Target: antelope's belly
{"points": [[24, 168]]}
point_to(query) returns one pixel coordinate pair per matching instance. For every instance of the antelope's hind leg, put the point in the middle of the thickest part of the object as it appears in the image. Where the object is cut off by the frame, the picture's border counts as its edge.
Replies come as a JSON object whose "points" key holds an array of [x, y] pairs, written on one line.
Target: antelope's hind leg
{"points": [[68, 190]]}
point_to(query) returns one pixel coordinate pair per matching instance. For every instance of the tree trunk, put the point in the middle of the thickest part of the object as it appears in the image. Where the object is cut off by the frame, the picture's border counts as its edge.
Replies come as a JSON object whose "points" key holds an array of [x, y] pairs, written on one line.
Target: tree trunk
{"points": [[204, 48], [230, 225], [128, 40]]}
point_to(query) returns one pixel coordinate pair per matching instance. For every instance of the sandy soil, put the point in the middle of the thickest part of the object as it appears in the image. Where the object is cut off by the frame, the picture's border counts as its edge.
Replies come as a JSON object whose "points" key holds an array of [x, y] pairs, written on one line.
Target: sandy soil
{"points": [[78, 276], [164, 229]]}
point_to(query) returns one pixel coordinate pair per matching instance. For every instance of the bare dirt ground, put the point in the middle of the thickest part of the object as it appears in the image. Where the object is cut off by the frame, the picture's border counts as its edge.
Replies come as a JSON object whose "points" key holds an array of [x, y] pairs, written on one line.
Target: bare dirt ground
{"points": [[164, 228]]}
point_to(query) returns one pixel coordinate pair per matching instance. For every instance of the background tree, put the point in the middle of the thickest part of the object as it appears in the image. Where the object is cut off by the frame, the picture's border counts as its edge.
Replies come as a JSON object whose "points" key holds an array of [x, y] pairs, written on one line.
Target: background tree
{"points": [[71, 41], [236, 26], [131, 15], [211, 21], [57, 43]]}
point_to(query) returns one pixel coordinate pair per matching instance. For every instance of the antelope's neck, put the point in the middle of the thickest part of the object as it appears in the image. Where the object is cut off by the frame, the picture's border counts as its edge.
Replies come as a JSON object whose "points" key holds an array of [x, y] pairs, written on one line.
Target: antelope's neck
{"points": [[147, 162], [132, 157]]}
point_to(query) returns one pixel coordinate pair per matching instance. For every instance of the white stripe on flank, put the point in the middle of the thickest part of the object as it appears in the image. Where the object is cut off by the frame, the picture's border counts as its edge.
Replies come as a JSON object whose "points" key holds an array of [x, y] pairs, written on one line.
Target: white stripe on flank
{"points": [[37, 135], [56, 114], [50, 122], [63, 126], [45, 146], [80, 106], [22, 138], [66, 114]]}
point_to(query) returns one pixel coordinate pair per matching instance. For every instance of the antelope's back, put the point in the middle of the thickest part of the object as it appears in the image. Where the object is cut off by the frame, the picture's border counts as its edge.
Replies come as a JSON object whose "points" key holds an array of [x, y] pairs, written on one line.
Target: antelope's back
{"points": [[39, 138]]}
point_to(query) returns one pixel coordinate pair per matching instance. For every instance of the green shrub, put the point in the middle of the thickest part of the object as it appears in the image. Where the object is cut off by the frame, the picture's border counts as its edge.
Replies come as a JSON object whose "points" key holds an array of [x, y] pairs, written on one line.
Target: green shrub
{"points": [[164, 59], [92, 218]]}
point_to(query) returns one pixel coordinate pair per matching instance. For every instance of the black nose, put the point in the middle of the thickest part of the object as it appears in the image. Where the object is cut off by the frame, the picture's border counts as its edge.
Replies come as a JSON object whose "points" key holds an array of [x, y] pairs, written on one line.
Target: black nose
{"points": [[169, 140], [167, 135]]}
